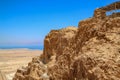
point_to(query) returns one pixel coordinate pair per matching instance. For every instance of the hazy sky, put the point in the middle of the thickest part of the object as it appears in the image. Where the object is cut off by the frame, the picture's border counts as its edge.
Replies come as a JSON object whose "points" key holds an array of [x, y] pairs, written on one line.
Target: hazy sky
{"points": [[26, 22]]}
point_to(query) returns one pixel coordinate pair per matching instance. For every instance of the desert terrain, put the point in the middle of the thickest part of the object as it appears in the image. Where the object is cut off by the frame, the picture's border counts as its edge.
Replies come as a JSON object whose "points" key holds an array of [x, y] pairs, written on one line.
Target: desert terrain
{"points": [[12, 59], [89, 52]]}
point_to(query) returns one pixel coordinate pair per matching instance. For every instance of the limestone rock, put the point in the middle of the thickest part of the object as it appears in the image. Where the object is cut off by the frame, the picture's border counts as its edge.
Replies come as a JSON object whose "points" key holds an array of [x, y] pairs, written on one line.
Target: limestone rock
{"points": [[56, 41], [89, 52]]}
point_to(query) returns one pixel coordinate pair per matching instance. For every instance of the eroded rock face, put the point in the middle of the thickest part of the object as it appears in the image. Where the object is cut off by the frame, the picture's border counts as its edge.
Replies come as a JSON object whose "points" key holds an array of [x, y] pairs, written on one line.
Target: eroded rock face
{"points": [[56, 41], [94, 55], [34, 71], [89, 52]]}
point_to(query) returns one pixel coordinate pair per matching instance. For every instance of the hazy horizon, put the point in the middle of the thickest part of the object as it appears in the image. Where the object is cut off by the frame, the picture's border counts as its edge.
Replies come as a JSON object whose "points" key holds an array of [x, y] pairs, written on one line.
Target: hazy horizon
{"points": [[27, 22]]}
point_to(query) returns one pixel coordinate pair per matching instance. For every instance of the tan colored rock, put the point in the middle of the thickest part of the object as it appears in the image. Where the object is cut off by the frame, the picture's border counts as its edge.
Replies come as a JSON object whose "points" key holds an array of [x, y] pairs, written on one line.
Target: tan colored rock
{"points": [[89, 52], [56, 41], [95, 56]]}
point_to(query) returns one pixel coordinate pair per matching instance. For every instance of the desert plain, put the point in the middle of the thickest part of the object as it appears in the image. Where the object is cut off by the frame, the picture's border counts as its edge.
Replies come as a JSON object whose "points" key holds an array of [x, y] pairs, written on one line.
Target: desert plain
{"points": [[12, 59]]}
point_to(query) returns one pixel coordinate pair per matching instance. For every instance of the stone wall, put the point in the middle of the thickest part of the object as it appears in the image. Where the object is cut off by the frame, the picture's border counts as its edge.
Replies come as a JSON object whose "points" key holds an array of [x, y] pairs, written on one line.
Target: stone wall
{"points": [[100, 13], [113, 6]]}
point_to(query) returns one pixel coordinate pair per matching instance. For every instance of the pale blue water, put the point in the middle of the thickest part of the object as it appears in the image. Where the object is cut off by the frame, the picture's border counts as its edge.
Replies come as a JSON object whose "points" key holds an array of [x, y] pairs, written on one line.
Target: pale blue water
{"points": [[22, 47]]}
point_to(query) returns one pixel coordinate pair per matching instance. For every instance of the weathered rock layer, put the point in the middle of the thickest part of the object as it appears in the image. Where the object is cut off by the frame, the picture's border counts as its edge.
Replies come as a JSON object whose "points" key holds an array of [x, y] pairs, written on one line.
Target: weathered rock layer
{"points": [[89, 52]]}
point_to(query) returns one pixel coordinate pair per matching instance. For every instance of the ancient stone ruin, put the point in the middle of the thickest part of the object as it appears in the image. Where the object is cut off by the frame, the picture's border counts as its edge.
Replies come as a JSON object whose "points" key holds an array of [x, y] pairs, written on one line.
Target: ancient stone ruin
{"points": [[113, 6], [89, 52], [101, 12]]}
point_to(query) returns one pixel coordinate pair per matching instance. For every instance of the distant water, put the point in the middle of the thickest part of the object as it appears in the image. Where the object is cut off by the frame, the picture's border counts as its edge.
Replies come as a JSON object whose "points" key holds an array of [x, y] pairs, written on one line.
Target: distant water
{"points": [[22, 47]]}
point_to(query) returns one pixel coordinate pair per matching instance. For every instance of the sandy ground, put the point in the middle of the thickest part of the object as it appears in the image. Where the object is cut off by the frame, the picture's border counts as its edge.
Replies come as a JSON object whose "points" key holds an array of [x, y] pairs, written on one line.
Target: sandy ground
{"points": [[12, 59]]}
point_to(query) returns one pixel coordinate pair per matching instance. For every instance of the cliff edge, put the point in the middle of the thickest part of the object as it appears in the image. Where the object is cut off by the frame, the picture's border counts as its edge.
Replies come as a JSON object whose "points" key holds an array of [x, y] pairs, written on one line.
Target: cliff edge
{"points": [[89, 52]]}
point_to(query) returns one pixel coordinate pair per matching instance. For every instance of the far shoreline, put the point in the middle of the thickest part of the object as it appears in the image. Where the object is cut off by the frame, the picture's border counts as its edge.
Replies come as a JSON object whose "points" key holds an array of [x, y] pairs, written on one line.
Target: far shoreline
{"points": [[20, 49], [23, 47]]}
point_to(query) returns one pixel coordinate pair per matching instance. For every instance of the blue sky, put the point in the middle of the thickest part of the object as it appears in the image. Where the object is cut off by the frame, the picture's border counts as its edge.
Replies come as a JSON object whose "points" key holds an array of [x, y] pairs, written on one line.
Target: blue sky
{"points": [[26, 22]]}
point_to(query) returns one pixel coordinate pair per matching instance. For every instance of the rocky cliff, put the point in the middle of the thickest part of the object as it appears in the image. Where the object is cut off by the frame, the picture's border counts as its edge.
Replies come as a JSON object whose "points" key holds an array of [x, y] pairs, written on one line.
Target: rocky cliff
{"points": [[89, 52]]}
